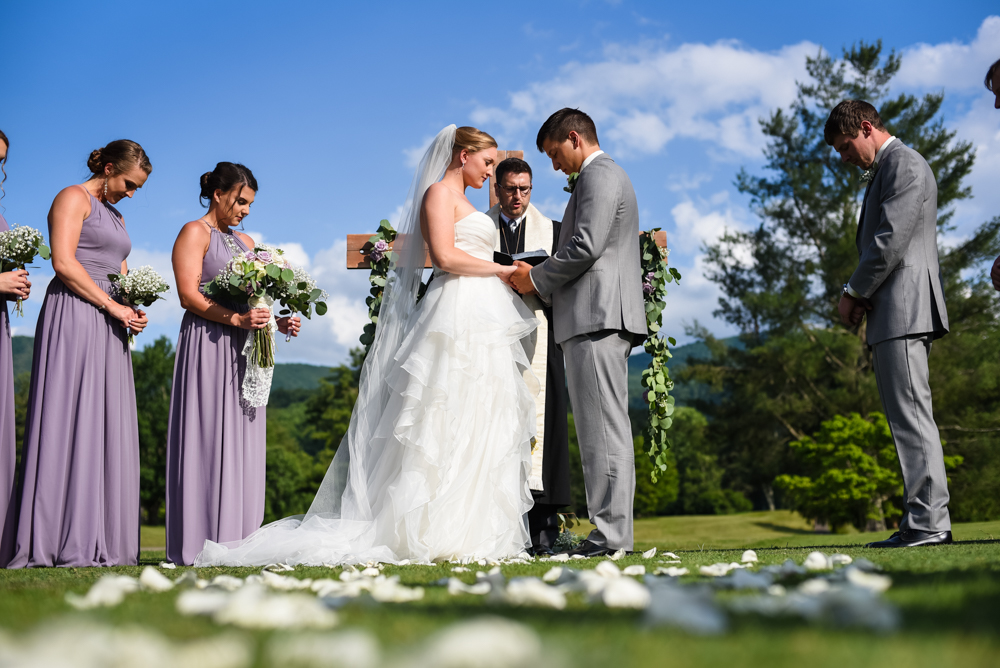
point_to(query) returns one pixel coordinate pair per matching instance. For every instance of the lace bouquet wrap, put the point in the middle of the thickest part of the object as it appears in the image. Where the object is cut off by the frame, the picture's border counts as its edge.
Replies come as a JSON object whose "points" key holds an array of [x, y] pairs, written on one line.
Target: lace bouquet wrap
{"points": [[139, 287], [18, 248], [259, 278]]}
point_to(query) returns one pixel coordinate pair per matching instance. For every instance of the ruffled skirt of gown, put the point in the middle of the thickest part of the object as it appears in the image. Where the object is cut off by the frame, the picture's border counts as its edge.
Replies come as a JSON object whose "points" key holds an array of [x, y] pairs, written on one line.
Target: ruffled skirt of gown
{"points": [[447, 469]]}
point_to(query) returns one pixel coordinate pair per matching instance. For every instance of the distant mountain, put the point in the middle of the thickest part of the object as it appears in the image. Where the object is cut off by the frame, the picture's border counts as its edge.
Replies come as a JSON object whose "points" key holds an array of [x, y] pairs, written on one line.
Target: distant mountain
{"points": [[684, 393], [286, 376]]}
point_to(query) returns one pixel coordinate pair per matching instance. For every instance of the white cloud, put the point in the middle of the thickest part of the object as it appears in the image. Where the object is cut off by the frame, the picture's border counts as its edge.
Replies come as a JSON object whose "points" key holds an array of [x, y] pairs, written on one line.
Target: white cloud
{"points": [[642, 98], [953, 65]]}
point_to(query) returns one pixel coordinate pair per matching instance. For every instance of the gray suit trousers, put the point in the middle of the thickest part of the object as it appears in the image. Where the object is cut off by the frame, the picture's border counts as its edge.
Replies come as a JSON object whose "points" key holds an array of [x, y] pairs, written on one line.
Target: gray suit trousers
{"points": [[597, 377], [902, 376]]}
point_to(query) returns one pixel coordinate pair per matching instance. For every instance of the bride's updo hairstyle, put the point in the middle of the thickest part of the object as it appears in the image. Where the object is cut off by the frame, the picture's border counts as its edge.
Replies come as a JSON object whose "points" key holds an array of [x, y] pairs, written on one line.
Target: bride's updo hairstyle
{"points": [[123, 154], [225, 177], [472, 139]]}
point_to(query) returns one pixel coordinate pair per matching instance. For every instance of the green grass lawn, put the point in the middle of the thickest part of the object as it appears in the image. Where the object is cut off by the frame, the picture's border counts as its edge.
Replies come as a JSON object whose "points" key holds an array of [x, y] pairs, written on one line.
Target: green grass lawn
{"points": [[949, 597]]}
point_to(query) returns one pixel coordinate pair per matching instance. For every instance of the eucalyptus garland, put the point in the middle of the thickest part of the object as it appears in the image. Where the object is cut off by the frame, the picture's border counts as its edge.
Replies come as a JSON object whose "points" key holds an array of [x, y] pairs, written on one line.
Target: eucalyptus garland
{"points": [[656, 377], [381, 258]]}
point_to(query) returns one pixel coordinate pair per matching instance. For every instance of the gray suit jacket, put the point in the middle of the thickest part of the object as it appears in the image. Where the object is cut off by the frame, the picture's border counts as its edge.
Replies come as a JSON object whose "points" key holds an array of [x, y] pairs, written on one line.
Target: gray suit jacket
{"points": [[593, 279], [897, 242]]}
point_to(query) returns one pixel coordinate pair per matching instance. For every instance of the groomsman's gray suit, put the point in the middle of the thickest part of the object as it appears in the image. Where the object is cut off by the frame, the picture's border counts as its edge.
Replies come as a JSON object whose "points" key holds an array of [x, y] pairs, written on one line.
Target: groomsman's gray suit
{"points": [[899, 273], [594, 283]]}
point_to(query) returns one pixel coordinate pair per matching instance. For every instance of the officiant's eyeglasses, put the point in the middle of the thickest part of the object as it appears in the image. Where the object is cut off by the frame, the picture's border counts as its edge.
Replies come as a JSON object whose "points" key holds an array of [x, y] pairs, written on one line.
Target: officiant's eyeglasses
{"points": [[511, 189]]}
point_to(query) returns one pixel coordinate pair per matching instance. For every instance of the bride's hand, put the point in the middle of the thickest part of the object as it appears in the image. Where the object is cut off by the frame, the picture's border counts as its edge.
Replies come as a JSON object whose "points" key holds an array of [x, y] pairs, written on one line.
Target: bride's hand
{"points": [[505, 272]]}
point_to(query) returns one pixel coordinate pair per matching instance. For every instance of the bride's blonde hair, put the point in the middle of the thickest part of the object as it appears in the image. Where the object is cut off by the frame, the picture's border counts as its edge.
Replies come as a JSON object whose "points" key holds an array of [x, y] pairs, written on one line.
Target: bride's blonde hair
{"points": [[472, 139]]}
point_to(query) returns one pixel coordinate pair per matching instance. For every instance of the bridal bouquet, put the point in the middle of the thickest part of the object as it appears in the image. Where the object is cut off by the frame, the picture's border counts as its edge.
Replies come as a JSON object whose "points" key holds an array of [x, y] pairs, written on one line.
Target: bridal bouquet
{"points": [[18, 248], [259, 278], [139, 287], [300, 294]]}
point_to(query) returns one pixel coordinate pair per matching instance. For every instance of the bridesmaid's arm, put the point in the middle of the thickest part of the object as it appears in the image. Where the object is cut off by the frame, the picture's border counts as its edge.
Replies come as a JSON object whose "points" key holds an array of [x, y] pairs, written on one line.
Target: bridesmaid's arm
{"points": [[66, 217], [188, 256]]}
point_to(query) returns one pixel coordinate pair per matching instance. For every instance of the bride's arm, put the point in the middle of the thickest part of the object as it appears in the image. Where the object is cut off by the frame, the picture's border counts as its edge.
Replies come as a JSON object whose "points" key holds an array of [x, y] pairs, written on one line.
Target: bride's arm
{"points": [[437, 222]]}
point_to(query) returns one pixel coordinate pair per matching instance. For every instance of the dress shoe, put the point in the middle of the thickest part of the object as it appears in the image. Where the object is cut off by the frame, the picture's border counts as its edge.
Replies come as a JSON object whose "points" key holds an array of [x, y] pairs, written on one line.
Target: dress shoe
{"points": [[914, 538], [541, 551], [588, 549]]}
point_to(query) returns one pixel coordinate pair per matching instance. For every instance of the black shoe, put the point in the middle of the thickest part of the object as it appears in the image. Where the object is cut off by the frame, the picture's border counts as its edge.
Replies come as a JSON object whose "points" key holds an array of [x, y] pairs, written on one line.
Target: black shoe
{"points": [[914, 538], [541, 551], [588, 549]]}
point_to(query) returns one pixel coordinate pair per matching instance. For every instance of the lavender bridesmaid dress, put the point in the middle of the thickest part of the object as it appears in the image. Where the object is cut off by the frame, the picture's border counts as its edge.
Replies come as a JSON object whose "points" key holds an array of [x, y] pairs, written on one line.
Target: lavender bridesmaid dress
{"points": [[216, 447], [80, 482], [8, 502]]}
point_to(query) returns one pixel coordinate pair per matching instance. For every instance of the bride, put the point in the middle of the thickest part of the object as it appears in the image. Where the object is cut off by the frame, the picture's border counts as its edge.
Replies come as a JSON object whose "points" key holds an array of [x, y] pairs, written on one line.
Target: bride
{"points": [[435, 463]]}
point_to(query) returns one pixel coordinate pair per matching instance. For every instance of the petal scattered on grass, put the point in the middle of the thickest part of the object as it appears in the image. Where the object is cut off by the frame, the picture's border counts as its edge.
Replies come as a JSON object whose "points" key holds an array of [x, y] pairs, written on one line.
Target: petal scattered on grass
{"points": [[108, 591], [749, 557]]}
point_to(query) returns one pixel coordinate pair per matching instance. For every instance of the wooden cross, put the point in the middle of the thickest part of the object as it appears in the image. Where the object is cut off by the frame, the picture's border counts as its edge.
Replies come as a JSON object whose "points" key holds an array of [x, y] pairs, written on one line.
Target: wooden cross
{"points": [[358, 246]]}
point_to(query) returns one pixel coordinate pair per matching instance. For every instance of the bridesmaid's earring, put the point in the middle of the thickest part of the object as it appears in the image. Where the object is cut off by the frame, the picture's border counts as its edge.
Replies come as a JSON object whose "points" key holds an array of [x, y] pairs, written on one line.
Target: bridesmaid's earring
{"points": [[105, 188]]}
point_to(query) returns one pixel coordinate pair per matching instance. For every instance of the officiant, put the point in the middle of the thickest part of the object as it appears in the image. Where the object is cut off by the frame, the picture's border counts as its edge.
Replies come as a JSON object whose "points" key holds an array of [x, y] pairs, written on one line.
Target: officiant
{"points": [[520, 228]]}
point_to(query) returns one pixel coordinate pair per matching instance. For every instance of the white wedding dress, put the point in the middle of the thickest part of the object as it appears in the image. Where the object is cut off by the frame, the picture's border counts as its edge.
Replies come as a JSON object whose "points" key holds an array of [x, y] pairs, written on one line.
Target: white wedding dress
{"points": [[445, 472]]}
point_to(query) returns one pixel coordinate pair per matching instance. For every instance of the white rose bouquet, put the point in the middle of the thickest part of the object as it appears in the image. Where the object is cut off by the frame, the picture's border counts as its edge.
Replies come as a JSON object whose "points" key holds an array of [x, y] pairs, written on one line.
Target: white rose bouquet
{"points": [[139, 287], [18, 248]]}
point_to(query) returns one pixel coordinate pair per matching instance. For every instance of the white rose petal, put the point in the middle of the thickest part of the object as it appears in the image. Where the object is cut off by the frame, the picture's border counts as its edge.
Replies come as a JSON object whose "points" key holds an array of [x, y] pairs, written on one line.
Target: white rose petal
{"points": [[153, 580], [649, 554], [456, 587], [625, 593], [671, 571], [108, 591], [636, 569], [531, 591], [817, 561], [348, 649], [168, 565], [749, 556], [486, 642], [617, 555], [870, 581], [553, 574], [606, 569]]}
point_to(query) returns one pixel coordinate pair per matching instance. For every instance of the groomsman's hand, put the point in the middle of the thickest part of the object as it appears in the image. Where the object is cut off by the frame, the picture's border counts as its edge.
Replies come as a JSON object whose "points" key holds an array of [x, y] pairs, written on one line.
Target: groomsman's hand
{"points": [[995, 274], [852, 310], [520, 280]]}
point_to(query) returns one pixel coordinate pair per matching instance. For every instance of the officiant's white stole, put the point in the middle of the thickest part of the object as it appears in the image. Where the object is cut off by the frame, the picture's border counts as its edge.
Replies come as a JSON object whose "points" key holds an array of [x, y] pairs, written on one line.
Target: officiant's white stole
{"points": [[537, 234]]}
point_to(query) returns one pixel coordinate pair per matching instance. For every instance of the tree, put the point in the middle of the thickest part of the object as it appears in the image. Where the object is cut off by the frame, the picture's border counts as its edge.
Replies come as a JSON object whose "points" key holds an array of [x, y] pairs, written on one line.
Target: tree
{"points": [[701, 488], [851, 476], [781, 281], [153, 370]]}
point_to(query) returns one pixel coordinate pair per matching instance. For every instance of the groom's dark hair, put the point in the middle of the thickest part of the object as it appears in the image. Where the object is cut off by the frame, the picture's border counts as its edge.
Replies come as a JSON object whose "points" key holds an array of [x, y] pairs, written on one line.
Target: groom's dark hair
{"points": [[560, 124], [512, 166], [847, 117]]}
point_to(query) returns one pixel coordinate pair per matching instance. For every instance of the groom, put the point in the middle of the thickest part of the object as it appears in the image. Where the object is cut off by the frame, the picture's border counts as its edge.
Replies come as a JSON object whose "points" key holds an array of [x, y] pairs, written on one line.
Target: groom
{"points": [[593, 281]]}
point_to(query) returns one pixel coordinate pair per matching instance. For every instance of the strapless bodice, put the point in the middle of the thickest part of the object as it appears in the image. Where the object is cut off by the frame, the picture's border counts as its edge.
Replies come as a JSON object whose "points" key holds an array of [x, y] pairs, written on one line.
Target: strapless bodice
{"points": [[475, 234]]}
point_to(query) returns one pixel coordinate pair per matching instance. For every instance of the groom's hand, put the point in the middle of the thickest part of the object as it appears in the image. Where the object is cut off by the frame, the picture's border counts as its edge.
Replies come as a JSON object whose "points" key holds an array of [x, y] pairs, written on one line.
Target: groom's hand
{"points": [[520, 280]]}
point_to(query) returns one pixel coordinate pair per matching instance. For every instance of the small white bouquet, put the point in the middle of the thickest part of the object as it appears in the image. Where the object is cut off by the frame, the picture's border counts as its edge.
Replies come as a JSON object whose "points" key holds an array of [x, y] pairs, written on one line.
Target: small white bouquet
{"points": [[139, 287], [18, 248]]}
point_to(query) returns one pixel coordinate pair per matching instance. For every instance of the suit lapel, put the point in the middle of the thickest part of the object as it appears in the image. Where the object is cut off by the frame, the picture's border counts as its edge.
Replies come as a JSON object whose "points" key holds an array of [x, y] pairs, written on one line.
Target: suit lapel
{"points": [[861, 219]]}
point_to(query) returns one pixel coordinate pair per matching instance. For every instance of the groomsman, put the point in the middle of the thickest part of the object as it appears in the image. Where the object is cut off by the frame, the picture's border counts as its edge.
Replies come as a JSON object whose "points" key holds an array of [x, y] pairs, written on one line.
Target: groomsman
{"points": [[898, 285], [994, 87], [521, 227]]}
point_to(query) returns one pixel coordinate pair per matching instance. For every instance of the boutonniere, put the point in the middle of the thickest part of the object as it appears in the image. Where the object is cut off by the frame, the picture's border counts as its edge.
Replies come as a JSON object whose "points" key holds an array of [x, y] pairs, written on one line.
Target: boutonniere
{"points": [[571, 181], [869, 174]]}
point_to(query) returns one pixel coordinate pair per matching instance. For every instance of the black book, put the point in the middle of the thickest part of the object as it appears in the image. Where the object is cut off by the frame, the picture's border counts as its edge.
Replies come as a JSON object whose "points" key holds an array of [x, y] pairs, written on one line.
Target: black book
{"points": [[534, 258]]}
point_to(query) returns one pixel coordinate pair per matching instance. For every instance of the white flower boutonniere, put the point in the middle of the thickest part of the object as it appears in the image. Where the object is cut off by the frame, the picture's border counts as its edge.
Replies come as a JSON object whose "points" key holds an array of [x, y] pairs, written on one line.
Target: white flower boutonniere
{"points": [[869, 174], [571, 181]]}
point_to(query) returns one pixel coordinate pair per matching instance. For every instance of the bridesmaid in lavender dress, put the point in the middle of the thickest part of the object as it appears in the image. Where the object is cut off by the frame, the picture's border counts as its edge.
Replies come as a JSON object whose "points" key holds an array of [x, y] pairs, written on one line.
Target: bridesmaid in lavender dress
{"points": [[215, 443], [80, 482], [13, 284]]}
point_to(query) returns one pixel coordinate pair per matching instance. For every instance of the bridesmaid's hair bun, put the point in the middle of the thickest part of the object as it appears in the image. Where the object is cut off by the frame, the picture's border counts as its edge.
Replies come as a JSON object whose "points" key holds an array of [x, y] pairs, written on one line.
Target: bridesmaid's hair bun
{"points": [[225, 177], [123, 154]]}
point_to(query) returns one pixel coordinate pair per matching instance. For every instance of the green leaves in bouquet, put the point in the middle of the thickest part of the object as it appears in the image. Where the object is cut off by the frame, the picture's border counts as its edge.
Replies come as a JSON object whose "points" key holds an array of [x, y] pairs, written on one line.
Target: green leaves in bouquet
{"points": [[44, 251], [656, 378]]}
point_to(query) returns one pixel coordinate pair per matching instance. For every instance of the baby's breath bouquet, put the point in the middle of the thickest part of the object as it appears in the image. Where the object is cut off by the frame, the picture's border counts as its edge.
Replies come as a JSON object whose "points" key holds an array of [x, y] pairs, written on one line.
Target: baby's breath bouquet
{"points": [[18, 248], [139, 287]]}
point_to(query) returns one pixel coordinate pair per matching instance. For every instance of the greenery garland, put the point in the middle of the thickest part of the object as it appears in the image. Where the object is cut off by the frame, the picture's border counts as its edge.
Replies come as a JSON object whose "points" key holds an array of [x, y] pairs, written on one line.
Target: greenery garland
{"points": [[381, 258], [656, 377]]}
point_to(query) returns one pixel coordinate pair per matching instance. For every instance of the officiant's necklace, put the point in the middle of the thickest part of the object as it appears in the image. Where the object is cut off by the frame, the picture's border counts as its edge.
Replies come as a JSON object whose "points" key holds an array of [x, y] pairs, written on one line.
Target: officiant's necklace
{"points": [[517, 241]]}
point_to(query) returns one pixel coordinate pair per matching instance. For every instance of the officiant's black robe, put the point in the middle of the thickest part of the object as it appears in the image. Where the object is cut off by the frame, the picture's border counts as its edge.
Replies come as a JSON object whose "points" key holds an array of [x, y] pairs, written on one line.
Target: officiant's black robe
{"points": [[543, 524]]}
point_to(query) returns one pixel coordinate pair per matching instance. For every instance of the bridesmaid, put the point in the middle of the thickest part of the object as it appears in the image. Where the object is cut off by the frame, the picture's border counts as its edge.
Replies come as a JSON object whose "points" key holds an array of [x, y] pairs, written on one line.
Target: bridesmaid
{"points": [[215, 443], [13, 284], [80, 481]]}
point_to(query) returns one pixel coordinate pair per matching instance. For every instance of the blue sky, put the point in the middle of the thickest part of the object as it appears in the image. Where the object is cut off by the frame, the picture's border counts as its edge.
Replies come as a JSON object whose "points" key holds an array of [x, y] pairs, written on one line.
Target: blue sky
{"points": [[328, 103]]}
